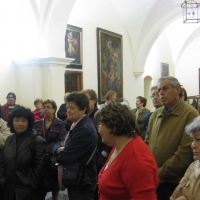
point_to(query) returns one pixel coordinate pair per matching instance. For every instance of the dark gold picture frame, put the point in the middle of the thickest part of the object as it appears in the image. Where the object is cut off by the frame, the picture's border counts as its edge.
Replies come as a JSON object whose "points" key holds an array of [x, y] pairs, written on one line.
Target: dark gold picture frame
{"points": [[110, 63], [73, 44]]}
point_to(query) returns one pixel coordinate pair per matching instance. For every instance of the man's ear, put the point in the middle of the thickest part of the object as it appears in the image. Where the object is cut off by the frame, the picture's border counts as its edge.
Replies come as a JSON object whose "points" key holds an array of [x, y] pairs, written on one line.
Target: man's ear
{"points": [[178, 88]]}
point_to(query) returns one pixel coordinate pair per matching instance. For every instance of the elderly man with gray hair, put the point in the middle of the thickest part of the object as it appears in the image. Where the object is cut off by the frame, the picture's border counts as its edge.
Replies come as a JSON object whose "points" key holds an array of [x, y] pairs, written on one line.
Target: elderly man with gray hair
{"points": [[166, 136]]}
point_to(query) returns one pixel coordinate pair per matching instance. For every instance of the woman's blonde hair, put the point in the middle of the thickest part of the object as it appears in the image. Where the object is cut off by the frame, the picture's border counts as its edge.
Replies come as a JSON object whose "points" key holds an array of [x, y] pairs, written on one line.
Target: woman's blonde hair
{"points": [[109, 94]]}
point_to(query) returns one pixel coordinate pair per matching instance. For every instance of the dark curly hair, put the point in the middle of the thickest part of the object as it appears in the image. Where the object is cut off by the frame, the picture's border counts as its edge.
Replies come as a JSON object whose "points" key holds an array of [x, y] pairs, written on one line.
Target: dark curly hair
{"points": [[18, 112], [119, 118]]}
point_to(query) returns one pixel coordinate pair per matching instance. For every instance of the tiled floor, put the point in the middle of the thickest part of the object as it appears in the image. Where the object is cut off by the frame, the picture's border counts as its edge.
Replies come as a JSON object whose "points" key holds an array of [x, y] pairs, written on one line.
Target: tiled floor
{"points": [[62, 195]]}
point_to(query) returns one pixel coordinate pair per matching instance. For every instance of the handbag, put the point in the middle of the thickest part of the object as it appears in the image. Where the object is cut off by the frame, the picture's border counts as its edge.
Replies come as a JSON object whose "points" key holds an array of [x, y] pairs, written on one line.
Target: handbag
{"points": [[73, 173]]}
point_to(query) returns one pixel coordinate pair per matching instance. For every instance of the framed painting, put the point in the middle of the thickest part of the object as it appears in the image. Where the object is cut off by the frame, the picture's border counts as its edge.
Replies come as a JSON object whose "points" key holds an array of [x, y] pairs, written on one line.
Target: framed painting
{"points": [[110, 63], [164, 69], [73, 44]]}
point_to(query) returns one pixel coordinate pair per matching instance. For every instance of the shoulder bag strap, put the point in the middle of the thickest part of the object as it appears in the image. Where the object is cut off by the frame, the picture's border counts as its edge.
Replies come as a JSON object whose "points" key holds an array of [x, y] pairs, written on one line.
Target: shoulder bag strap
{"points": [[43, 132], [90, 158]]}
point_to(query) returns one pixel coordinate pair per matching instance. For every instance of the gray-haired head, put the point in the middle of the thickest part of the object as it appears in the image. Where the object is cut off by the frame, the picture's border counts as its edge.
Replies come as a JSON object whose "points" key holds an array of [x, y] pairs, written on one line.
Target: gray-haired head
{"points": [[155, 87], [193, 126], [174, 82]]}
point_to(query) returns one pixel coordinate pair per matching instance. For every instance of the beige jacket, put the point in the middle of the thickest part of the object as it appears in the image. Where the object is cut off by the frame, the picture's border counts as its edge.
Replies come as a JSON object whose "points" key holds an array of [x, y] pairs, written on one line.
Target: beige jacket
{"points": [[169, 143], [4, 132], [188, 188]]}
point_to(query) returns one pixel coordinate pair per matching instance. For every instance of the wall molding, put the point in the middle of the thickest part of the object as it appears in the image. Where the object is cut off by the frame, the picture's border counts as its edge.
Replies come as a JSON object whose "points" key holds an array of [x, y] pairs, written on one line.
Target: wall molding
{"points": [[43, 61]]}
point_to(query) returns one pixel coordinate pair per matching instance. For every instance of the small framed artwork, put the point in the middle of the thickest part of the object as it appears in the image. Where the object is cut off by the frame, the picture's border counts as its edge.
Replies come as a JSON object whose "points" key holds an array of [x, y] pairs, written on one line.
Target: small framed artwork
{"points": [[164, 69], [110, 63], [73, 44]]}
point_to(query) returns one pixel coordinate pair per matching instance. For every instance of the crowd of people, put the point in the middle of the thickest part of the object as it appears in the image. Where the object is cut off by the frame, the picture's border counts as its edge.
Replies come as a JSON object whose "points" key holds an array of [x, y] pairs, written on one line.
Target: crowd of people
{"points": [[138, 154]]}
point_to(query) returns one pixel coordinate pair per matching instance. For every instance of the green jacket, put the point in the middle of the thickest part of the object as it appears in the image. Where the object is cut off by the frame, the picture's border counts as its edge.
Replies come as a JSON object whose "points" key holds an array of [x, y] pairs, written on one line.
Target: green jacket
{"points": [[140, 120], [169, 143]]}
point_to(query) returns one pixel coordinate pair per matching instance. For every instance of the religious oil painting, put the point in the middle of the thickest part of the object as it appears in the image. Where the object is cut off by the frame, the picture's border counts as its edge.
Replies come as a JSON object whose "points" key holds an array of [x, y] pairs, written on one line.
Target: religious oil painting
{"points": [[73, 44], [110, 63]]}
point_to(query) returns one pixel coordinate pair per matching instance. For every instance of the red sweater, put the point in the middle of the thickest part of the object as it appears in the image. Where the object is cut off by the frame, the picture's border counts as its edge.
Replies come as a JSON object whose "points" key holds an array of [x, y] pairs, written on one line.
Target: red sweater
{"points": [[132, 175], [6, 111], [37, 115]]}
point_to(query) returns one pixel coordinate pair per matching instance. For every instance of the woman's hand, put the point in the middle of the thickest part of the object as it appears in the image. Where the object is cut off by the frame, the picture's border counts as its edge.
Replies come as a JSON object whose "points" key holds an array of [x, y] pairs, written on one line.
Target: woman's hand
{"points": [[59, 149]]}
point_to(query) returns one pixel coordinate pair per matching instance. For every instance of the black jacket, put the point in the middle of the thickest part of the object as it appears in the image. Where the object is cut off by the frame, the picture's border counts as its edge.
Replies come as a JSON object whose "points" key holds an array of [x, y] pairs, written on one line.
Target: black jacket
{"points": [[79, 147], [23, 169], [61, 115], [61, 112]]}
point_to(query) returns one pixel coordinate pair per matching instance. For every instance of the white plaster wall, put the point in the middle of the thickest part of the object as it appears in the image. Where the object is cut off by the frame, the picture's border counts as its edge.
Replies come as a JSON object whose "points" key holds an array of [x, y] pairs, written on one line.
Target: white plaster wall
{"points": [[28, 84], [92, 14], [20, 41], [187, 69], [8, 81], [159, 53]]}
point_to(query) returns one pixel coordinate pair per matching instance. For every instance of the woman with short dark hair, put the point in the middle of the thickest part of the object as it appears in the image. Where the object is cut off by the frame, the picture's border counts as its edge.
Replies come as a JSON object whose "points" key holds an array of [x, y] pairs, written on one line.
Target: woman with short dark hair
{"points": [[23, 167], [52, 130], [78, 146], [130, 171]]}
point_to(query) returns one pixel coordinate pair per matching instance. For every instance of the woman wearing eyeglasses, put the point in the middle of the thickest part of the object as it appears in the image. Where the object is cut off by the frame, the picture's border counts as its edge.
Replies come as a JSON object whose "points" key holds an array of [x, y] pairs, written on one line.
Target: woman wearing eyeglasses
{"points": [[52, 130], [130, 171]]}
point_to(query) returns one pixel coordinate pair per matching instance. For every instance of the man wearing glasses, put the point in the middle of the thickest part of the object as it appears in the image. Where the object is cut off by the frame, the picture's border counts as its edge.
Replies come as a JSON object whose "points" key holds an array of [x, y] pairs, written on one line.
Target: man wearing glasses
{"points": [[9, 106], [166, 136], [157, 103]]}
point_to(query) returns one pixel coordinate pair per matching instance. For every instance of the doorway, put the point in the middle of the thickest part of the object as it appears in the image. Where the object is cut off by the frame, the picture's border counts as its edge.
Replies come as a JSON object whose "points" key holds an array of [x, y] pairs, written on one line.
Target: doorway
{"points": [[73, 81]]}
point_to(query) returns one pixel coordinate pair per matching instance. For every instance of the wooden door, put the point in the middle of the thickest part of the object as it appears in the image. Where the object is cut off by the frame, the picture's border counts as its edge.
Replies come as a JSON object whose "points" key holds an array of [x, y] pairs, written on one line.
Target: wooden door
{"points": [[73, 81]]}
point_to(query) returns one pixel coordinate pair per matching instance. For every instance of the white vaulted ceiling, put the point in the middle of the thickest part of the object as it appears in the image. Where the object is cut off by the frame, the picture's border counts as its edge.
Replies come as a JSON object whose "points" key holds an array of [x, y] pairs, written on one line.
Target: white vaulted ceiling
{"points": [[144, 22]]}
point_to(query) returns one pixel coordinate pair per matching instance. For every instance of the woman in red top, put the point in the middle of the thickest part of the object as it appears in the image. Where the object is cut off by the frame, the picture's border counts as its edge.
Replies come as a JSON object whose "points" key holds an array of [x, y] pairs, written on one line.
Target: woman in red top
{"points": [[38, 112], [130, 172]]}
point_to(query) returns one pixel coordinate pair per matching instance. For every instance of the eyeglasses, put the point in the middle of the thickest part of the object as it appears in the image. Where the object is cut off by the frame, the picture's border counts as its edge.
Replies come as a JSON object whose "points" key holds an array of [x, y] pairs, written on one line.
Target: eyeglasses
{"points": [[47, 107], [154, 95], [99, 126]]}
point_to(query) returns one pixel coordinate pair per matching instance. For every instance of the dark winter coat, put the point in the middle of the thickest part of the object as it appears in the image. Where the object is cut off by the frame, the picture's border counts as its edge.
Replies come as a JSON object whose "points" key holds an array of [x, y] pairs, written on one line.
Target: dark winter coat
{"points": [[79, 147], [61, 113], [23, 168], [53, 134]]}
